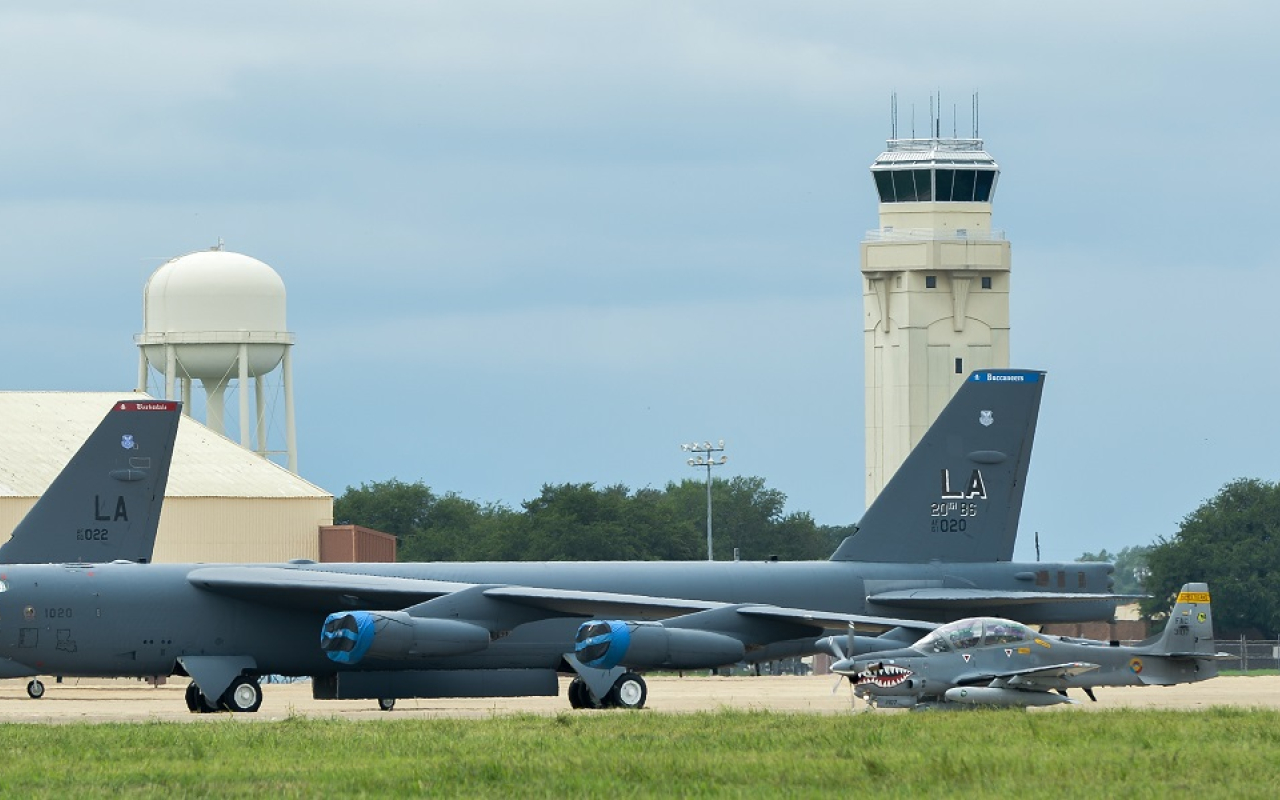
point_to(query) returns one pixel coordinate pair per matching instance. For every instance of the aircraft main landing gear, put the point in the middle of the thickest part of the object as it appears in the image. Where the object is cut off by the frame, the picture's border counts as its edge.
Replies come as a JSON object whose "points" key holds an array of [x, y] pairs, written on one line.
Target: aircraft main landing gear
{"points": [[35, 689], [580, 695], [629, 691], [196, 701], [242, 696], [386, 703]]}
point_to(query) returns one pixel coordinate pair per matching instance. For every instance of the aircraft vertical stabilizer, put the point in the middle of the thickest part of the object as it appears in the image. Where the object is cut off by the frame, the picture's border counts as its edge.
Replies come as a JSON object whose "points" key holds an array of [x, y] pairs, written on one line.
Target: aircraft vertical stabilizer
{"points": [[1189, 631], [958, 496], [105, 504]]}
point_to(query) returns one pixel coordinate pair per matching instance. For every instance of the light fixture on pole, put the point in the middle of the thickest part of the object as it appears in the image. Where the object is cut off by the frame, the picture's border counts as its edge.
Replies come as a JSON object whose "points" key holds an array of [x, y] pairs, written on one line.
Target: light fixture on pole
{"points": [[705, 458]]}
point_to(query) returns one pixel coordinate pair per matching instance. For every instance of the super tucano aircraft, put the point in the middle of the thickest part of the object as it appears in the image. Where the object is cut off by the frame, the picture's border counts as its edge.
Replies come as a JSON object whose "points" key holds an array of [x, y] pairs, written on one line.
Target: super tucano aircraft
{"points": [[936, 544], [998, 662]]}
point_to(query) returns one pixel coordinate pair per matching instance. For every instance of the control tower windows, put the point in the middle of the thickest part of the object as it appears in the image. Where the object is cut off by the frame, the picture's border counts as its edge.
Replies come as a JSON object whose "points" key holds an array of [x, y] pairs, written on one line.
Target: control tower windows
{"points": [[943, 185], [904, 186]]}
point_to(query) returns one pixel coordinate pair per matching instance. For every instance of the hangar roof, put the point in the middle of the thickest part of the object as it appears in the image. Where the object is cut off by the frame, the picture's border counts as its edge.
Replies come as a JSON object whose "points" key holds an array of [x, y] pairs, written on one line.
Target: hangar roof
{"points": [[40, 431]]}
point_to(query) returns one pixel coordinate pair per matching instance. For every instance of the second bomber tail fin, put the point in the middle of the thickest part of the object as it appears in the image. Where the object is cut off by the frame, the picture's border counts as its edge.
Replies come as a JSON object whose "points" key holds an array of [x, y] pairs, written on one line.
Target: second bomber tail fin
{"points": [[105, 504], [958, 495]]}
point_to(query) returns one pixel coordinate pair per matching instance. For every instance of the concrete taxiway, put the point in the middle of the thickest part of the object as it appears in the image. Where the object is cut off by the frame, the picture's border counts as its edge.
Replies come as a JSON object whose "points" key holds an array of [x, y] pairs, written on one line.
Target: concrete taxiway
{"points": [[82, 700]]}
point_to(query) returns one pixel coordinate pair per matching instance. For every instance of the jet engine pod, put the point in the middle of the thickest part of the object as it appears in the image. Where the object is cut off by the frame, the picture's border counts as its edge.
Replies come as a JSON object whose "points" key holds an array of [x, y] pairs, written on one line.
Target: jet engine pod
{"points": [[604, 644], [349, 636]]}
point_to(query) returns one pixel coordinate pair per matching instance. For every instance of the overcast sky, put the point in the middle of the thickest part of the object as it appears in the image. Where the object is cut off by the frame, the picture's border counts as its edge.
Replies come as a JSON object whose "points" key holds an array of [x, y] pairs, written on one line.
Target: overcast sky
{"points": [[532, 243]]}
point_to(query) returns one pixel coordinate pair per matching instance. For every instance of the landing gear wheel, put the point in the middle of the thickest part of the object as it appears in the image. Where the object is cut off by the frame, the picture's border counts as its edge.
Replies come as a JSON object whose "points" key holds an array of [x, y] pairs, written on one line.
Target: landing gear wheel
{"points": [[386, 703], [629, 691], [35, 689], [196, 701], [244, 695], [580, 695]]}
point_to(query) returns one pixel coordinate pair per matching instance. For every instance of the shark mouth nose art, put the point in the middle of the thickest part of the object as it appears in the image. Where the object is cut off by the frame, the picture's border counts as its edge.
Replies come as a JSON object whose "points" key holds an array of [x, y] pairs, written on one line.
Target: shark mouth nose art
{"points": [[882, 675]]}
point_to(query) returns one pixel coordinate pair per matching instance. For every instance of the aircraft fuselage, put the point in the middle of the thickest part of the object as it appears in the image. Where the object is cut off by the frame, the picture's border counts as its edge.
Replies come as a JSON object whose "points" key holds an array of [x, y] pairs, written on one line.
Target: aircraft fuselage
{"points": [[136, 620]]}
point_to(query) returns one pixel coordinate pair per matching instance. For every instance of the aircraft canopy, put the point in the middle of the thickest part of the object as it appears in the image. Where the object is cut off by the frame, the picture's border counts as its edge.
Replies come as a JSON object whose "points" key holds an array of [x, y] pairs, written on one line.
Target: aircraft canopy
{"points": [[966, 634]]}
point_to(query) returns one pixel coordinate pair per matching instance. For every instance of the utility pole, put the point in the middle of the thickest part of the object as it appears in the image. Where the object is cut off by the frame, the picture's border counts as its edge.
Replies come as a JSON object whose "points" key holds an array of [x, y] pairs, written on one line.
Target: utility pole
{"points": [[706, 458]]}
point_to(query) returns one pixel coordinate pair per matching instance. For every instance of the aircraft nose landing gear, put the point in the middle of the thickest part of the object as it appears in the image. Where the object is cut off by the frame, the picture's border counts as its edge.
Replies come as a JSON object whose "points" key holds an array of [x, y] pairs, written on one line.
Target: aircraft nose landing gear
{"points": [[35, 689]]}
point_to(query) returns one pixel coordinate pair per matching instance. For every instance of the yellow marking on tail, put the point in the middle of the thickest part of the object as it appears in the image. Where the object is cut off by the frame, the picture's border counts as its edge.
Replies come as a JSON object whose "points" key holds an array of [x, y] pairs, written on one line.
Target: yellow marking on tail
{"points": [[1193, 597]]}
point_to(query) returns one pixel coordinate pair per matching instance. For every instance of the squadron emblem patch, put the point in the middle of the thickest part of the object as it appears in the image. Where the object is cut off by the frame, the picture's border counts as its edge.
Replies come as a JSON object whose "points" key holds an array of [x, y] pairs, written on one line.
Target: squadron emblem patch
{"points": [[986, 418]]}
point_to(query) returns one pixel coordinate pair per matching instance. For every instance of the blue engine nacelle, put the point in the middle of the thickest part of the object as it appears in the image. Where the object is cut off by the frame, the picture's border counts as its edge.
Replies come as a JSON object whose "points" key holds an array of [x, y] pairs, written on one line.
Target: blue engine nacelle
{"points": [[604, 644], [349, 636]]}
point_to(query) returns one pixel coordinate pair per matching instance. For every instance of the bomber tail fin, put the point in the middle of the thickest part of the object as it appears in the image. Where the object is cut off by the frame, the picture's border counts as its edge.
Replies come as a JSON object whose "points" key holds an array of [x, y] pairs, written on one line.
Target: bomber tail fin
{"points": [[105, 504], [1189, 631], [958, 495]]}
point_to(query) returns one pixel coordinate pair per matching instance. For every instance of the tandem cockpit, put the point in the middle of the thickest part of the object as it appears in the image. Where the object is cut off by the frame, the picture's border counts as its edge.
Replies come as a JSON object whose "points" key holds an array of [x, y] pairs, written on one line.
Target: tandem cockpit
{"points": [[966, 634]]}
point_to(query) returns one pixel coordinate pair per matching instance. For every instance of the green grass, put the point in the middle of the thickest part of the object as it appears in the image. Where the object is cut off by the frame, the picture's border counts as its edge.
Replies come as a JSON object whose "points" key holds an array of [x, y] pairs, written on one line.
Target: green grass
{"points": [[1124, 753]]}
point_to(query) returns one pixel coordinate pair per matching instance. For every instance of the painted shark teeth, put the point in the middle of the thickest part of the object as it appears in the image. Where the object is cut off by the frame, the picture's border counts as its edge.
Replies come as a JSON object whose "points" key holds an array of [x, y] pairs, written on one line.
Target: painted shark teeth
{"points": [[882, 675]]}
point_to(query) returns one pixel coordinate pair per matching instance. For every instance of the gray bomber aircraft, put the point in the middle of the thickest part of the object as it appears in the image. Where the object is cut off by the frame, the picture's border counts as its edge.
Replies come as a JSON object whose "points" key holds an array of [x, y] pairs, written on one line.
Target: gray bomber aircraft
{"points": [[105, 503], [988, 661], [936, 544]]}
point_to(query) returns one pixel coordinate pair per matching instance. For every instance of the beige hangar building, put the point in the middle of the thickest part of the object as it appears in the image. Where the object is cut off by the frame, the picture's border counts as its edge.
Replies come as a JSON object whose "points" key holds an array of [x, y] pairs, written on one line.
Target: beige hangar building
{"points": [[214, 318]]}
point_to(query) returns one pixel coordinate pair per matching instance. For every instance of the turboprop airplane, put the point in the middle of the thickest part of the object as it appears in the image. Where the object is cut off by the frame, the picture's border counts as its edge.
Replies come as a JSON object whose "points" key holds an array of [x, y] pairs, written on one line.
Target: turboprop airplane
{"points": [[987, 661], [936, 544], [105, 503]]}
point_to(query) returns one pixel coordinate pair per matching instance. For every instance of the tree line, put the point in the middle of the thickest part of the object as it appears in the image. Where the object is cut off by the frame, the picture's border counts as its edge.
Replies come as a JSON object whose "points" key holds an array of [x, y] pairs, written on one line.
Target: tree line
{"points": [[583, 522]]}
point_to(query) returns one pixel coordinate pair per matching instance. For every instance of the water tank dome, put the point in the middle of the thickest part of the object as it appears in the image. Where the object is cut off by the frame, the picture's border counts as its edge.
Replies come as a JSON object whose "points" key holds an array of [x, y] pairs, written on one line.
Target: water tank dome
{"points": [[206, 305]]}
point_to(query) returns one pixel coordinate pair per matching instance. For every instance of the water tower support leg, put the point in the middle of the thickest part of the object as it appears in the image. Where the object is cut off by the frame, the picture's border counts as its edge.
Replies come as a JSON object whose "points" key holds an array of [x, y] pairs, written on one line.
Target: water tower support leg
{"points": [[290, 432], [244, 396], [262, 416]]}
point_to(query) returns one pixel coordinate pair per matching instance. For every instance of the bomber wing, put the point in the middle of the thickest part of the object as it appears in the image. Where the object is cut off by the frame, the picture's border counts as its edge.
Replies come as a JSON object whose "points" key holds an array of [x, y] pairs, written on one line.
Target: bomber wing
{"points": [[929, 598], [321, 590], [317, 590]]}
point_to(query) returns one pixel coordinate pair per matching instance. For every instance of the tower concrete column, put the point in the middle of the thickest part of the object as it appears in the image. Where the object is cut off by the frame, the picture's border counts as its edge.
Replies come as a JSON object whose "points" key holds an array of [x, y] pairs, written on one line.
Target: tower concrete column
{"points": [[935, 291]]}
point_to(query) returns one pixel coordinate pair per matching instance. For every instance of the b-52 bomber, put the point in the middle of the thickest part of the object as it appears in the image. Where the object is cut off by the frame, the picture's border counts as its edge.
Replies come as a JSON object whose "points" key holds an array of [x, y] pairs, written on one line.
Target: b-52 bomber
{"points": [[989, 661], [936, 545], [105, 503]]}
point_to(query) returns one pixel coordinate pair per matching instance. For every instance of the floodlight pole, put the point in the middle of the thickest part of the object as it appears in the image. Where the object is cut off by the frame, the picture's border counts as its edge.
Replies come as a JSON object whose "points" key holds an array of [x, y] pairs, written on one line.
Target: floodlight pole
{"points": [[706, 459]]}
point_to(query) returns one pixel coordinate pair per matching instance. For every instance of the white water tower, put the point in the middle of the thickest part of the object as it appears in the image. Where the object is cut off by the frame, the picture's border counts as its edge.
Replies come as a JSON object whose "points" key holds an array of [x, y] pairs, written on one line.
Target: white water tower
{"points": [[217, 317]]}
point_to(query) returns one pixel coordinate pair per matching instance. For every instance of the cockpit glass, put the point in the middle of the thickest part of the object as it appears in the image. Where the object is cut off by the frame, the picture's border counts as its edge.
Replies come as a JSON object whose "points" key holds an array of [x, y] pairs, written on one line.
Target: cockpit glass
{"points": [[968, 633], [1003, 631]]}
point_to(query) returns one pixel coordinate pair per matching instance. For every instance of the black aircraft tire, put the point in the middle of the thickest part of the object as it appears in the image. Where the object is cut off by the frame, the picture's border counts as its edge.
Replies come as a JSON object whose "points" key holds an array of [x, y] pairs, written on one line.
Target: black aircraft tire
{"points": [[35, 689], [386, 703], [629, 691], [577, 693], [196, 701], [243, 696]]}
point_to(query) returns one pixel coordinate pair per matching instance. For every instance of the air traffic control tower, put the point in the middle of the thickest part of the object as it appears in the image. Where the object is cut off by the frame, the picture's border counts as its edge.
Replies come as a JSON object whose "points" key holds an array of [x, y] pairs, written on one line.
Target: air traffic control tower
{"points": [[935, 292]]}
